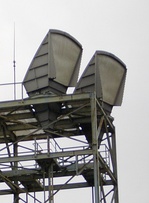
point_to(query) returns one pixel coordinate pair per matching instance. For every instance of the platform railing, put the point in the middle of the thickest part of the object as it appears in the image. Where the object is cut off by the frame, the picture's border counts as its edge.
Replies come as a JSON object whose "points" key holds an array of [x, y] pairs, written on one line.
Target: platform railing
{"points": [[12, 91]]}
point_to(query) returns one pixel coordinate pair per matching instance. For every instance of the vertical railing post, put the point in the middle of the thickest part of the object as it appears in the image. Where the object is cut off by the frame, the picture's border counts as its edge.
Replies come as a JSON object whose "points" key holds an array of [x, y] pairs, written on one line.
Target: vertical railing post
{"points": [[48, 144], [26, 198], [50, 171], [44, 196], [35, 146]]}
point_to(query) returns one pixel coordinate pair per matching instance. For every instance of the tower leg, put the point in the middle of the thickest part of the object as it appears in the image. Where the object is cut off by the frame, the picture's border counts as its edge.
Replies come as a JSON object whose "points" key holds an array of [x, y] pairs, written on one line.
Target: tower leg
{"points": [[15, 149], [95, 147]]}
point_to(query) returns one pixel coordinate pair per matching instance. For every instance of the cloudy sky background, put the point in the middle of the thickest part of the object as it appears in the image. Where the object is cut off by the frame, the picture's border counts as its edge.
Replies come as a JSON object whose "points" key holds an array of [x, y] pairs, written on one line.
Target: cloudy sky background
{"points": [[119, 27]]}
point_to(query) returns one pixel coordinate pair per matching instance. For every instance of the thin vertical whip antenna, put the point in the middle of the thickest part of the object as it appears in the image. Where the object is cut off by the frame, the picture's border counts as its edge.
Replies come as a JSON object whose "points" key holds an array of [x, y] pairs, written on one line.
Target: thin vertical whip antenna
{"points": [[14, 65]]}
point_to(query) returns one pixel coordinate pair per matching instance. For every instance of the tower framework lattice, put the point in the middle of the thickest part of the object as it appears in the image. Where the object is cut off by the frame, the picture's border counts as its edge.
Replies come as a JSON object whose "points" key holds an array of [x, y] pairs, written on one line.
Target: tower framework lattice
{"points": [[81, 142]]}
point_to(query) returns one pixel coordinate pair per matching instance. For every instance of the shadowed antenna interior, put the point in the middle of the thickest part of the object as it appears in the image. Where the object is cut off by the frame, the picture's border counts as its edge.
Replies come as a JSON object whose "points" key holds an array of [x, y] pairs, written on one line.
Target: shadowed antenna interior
{"points": [[14, 63]]}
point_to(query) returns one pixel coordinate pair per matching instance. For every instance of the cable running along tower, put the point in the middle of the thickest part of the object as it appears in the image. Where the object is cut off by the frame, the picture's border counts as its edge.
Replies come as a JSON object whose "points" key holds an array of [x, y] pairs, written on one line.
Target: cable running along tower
{"points": [[51, 137]]}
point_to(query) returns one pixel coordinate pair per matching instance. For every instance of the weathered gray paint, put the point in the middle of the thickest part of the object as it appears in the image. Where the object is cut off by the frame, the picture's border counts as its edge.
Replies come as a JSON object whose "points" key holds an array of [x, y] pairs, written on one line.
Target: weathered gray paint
{"points": [[55, 65], [105, 74]]}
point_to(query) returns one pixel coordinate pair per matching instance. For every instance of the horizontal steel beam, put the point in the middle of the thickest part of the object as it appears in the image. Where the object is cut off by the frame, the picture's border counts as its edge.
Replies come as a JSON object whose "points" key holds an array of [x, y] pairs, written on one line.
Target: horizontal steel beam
{"points": [[55, 187], [44, 99], [46, 156]]}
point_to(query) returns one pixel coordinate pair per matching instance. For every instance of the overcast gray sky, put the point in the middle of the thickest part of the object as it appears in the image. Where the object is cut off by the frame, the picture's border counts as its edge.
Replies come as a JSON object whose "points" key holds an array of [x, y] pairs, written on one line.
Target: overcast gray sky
{"points": [[117, 26]]}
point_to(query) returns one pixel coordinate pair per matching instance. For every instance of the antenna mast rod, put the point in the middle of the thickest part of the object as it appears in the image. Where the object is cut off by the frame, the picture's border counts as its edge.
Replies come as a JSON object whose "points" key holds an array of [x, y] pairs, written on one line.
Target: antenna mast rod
{"points": [[14, 66]]}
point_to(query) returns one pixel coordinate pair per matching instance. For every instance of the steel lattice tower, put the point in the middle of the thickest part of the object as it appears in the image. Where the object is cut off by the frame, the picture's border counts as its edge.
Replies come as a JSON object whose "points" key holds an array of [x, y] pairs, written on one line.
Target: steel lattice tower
{"points": [[96, 162], [51, 135]]}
